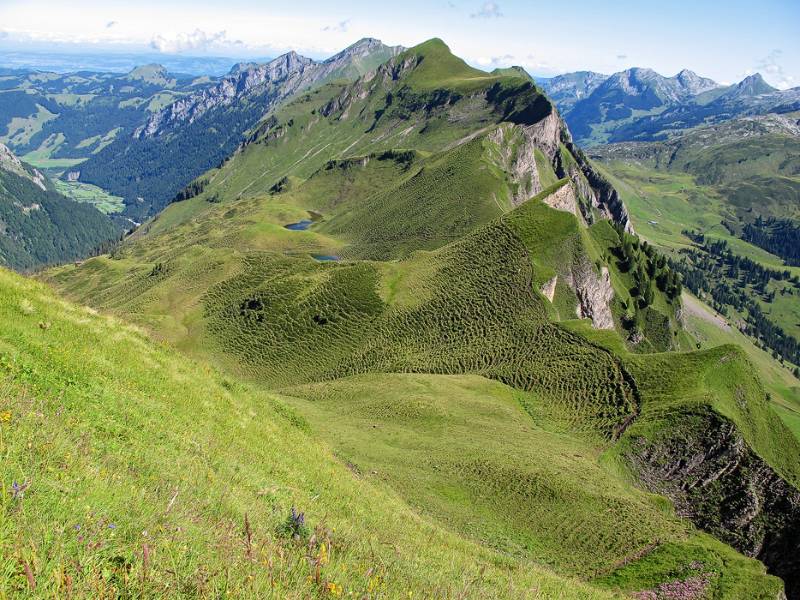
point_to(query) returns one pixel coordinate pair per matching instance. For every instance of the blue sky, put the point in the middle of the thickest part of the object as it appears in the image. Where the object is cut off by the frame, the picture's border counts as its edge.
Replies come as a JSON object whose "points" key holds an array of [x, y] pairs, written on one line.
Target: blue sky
{"points": [[723, 40]]}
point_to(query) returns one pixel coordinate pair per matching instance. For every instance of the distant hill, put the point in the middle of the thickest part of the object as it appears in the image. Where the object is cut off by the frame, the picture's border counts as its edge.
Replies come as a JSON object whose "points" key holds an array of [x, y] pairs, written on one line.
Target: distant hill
{"points": [[39, 226], [149, 166], [60, 120], [105, 62]]}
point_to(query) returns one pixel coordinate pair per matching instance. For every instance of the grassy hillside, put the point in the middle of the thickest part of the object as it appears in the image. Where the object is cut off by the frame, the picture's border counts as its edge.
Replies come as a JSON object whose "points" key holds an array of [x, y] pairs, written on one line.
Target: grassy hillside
{"points": [[737, 184], [293, 321], [121, 478], [428, 275], [84, 428]]}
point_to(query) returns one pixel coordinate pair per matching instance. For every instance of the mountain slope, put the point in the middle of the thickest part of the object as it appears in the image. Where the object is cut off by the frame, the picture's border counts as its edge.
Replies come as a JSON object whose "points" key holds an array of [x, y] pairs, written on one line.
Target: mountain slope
{"points": [[193, 134], [60, 120], [432, 226], [39, 226], [724, 200], [121, 477]]}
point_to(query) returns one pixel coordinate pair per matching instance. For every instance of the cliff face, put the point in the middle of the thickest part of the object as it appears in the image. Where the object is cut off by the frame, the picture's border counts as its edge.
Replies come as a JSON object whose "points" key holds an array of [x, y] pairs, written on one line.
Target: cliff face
{"points": [[707, 469], [10, 163]]}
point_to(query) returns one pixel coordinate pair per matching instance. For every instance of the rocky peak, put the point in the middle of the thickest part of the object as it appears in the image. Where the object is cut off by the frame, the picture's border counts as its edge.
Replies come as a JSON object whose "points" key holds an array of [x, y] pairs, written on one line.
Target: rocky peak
{"points": [[753, 85], [633, 82], [361, 48], [639, 81], [693, 83], [279, 79]]}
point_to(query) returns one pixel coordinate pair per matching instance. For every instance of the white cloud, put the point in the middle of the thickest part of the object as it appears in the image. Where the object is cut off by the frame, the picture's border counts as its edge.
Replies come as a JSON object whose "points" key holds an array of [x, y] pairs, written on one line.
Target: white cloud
{"points": [[772, 70], [198, 40], [3, 34], [341, 26], [489, 10]]}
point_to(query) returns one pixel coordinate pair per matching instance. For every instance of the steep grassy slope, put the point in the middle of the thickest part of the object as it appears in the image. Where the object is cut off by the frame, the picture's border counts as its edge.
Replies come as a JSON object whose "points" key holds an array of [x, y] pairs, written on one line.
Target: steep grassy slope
{"points": [[130, 471], [467, 308], [464, 451], [468, 289]]}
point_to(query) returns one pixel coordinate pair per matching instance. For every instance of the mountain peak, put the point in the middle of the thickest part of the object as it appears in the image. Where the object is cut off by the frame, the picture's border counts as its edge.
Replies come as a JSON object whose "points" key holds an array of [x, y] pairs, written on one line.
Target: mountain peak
{"points": [[153, 73], [513, 71], [433, 45], [752, 85], [694, 83], [362, 48], [435, 63]]}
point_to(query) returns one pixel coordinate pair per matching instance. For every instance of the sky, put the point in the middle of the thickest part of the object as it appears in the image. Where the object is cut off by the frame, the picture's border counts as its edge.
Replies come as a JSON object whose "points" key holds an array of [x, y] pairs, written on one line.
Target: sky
{"points": [[722, 40]]}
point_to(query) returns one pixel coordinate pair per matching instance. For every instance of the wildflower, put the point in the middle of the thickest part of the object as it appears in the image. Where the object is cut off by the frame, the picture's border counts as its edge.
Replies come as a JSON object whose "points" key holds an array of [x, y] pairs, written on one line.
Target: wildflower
{"points": [[334, 589], [18, 491], [5, 416], [323, 559], [294, 526]]}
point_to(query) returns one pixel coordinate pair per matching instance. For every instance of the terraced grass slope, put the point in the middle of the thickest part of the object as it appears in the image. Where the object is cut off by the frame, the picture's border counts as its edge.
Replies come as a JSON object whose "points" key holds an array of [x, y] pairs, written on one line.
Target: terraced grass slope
{"points": [[462, 301], [131, 471], [467, 308]]}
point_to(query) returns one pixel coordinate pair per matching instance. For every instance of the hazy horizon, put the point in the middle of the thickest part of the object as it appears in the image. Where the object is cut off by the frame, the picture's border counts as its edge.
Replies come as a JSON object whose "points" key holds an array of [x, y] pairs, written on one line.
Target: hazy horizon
{"points": [[725, 45]]}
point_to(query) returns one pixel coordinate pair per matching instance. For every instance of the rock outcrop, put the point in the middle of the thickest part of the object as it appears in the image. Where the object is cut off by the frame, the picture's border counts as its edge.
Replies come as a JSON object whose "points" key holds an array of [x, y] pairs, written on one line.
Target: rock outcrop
{"points": [[594, 292], [9, 162], [564, 199], [707, 469]]}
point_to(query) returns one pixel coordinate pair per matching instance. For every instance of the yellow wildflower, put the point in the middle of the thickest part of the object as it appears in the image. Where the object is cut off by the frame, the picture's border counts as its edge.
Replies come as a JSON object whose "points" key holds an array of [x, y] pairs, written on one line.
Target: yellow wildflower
{"points": [[5, 416], [334, 589], [322, 559]]}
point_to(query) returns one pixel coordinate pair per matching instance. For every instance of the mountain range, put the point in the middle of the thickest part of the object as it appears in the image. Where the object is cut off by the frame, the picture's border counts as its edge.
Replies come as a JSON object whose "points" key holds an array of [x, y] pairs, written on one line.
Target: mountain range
{"points": [[149, 167], [639, 104]]}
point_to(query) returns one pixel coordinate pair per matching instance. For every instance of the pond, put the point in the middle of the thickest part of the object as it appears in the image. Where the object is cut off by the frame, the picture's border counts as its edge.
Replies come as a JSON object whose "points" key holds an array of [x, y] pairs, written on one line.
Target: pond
{"points": [[300, 225], [324, 257]]}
